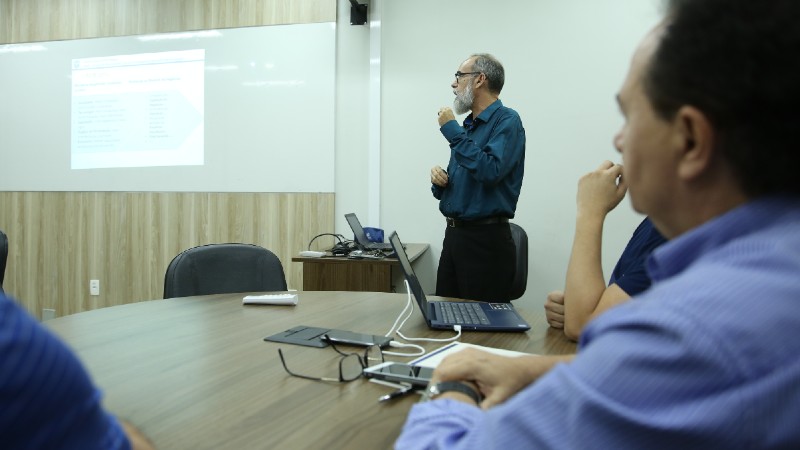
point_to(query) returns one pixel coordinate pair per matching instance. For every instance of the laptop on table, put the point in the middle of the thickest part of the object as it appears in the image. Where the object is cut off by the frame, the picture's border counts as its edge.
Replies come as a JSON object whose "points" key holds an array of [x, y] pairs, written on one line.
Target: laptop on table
{"points": [[472, 316], [361, 237]]}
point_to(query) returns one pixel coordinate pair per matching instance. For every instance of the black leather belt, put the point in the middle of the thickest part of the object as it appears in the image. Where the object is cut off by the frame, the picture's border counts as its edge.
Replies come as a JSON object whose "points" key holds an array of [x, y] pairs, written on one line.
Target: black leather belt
{"points": [[470, 223]]}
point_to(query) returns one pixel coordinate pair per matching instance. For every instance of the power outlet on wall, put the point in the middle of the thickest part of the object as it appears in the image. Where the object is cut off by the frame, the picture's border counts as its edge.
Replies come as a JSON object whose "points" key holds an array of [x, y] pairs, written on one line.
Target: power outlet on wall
{"points": [[94, 287], [48, 314]]}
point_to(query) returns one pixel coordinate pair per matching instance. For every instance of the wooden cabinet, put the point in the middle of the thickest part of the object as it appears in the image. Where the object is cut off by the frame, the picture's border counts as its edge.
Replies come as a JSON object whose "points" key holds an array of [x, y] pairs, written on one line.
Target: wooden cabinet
{"points": [[344, 274]]}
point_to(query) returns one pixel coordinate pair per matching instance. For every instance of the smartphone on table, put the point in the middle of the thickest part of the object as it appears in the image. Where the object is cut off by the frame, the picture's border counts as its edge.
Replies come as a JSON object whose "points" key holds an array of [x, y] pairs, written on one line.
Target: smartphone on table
{"points": [[400, 373]]}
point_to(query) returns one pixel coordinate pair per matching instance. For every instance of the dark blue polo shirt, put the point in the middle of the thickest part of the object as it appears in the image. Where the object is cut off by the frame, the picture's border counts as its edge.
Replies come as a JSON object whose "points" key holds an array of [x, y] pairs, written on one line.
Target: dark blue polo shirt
{"points": [[46, 397], [630, 273]]}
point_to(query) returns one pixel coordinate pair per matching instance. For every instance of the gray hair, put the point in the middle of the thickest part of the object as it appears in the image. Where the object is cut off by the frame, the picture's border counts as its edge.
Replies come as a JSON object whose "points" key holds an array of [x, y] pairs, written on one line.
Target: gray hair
{"points": [[491, 67]]}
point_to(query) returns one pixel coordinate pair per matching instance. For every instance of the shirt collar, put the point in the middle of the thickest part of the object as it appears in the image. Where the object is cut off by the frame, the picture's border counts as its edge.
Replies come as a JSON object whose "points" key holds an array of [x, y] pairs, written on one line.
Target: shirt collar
{"points": [[679, 253], [470, 122]]}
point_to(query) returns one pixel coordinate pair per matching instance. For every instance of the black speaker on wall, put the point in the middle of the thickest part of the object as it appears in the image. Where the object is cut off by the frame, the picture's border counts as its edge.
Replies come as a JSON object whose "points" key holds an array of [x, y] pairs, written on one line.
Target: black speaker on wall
{"points": [[358, 13]]}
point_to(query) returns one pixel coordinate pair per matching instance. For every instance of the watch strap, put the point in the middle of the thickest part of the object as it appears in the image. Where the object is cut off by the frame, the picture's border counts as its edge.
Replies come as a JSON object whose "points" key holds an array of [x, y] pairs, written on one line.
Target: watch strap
{"points": [[453, 386]]}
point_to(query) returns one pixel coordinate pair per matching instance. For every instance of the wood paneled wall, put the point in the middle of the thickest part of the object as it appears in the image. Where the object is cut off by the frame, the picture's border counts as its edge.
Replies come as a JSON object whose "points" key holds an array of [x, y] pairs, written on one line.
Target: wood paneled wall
{"points": [[60, 240], [46, 20]]}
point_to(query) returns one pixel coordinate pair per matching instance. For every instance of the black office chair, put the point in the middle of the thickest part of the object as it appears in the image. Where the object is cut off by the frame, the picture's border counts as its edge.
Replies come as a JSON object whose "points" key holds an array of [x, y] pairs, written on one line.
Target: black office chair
{"points": [[3, 258], [223, 269], [520, 282]]}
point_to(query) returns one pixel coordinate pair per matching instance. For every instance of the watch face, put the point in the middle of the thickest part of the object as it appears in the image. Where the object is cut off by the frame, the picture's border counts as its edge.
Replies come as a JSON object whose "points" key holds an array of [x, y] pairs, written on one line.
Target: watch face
{"points": [[453, 386]]}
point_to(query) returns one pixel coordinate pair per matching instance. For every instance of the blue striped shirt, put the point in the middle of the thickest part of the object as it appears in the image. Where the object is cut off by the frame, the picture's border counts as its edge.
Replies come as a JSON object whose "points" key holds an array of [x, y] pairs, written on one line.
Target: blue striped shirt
{"points": [[708, 357], [47, 400]]}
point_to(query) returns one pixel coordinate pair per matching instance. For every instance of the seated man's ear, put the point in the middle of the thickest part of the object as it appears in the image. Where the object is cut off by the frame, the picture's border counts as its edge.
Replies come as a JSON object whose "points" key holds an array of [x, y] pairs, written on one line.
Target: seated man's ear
{"points": [[695, 138]]}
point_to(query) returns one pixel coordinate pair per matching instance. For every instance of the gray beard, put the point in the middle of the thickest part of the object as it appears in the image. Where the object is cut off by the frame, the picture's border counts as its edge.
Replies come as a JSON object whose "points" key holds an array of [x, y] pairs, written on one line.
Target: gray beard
{"points": [[463, 102]]}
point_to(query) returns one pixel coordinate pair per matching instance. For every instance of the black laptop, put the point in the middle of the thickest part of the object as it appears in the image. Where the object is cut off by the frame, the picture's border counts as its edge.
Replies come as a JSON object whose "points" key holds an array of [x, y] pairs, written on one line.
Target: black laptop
{"points": [[361, 237], [473, 316]]}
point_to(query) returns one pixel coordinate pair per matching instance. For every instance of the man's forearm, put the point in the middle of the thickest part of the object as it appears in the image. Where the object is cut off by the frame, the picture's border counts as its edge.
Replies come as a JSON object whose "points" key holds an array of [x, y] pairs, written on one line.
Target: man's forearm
{"points": [[585, 281], [137, 439], [542, 364]]}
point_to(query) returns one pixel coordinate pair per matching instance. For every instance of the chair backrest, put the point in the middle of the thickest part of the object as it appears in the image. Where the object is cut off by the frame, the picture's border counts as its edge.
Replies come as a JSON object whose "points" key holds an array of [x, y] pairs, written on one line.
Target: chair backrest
{"points": [[3, 257], [223, 269], [520, 282]]}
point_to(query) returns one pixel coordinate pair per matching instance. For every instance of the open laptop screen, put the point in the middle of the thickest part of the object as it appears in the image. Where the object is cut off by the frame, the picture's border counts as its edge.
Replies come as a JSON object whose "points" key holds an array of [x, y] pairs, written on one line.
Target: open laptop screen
{"points": [[408, 271], [358, 231]]}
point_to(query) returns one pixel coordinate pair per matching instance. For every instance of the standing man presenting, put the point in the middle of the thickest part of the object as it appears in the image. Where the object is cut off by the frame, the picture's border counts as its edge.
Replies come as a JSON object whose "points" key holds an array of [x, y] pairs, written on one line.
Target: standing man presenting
{"points": [[478, 192]]}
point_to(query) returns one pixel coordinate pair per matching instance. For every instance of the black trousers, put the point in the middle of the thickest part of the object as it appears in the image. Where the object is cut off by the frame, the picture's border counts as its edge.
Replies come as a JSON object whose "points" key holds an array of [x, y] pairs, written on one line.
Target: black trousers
{"points": [[477, 263]]}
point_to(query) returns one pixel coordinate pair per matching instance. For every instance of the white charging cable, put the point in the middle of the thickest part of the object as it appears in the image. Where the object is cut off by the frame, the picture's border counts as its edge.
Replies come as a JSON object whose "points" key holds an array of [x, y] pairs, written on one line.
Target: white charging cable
{"points": [[400, 316], [410, 307], [456, 328], [395, 344]]}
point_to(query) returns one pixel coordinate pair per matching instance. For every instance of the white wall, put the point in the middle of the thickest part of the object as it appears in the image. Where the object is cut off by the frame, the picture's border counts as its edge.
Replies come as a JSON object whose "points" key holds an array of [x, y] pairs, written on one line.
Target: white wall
{"points": [[564, 61], [351, 129]]}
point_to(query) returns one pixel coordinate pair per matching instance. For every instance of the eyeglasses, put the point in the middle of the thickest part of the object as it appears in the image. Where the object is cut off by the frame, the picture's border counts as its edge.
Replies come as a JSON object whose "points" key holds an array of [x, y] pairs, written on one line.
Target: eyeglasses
{"points": [[351, 365], [461, 74]]}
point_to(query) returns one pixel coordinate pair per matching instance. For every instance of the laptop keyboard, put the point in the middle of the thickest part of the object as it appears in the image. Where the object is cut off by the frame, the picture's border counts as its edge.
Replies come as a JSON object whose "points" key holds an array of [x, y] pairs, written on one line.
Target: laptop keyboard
{"points": [[463, 313]]}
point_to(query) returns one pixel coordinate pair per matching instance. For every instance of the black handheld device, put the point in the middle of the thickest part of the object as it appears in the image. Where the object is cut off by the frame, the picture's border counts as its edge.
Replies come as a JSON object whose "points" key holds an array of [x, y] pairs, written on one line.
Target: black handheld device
{"points": [[353, 338]]}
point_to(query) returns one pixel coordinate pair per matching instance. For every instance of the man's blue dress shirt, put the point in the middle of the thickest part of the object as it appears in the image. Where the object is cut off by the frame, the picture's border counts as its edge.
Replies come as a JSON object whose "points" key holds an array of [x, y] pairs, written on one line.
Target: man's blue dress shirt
{"points": [[708, 357], [487, 161]]}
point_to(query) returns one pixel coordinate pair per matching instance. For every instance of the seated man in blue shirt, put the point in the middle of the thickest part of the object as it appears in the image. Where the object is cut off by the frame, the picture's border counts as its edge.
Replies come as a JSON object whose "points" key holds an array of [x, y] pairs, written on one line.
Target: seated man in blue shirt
{"points": [[46, 397], [708, 356], [479, 191], [586, 295]]}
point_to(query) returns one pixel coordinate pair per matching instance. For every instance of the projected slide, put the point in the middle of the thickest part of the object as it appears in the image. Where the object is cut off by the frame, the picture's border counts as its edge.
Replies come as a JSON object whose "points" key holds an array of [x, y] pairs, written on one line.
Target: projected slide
{"points": [[140, 110], [230, 110]]}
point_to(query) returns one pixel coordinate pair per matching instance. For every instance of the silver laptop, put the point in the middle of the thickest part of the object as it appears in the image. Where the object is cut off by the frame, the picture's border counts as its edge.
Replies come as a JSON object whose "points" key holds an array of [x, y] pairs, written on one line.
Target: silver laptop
{"points": [[360, 237], [474, 316]]}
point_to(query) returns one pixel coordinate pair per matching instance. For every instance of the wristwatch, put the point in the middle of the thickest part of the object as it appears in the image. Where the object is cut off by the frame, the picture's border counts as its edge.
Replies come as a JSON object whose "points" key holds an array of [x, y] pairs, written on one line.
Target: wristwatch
{"points": [[438, 389]]}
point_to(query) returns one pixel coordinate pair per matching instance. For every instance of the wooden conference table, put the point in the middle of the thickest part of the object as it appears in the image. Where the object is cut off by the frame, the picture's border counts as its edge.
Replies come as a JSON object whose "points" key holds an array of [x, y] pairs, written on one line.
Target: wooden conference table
{"points": [[345, 274], [195, 373]]}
